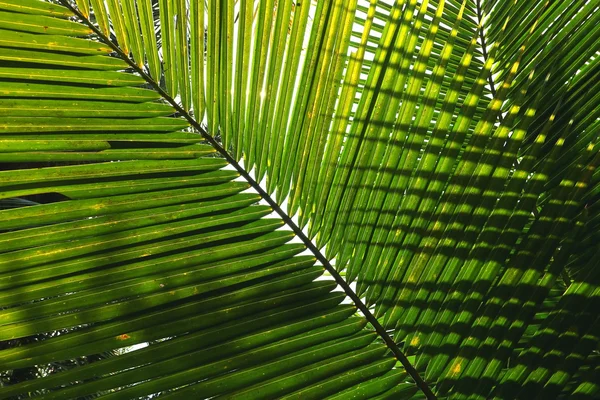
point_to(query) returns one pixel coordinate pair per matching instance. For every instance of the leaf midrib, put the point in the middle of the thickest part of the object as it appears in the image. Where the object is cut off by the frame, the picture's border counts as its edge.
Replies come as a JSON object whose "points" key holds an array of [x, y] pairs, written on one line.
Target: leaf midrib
{"points": [[381, 331]]}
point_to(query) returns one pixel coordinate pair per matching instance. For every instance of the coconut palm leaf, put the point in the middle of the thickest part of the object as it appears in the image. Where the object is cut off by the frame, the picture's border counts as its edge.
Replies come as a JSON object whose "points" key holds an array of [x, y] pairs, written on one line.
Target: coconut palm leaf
{"points": [[437, 161]]}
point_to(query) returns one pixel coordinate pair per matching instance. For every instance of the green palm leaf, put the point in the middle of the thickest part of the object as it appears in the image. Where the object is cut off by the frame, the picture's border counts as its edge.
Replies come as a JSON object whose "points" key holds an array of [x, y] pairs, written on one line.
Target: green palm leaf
{"points": [[439, 165]]}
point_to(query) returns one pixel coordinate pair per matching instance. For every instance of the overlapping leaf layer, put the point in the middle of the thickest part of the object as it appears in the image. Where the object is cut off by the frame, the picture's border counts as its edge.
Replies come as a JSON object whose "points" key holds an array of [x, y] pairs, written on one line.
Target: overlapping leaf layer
{"points": [[444, 153]]}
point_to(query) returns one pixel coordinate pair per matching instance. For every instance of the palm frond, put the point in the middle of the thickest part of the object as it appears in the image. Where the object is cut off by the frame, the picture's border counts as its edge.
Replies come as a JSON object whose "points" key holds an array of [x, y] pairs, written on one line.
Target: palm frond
{"points": [[442, 155]]}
